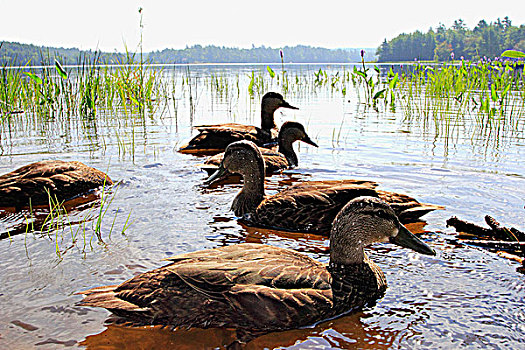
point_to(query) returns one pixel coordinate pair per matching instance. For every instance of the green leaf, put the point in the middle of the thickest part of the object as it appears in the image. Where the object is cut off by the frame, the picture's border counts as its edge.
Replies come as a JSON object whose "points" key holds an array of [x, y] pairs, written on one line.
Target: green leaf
{"points": [[358, 72], [513, 54], [34, 77], [272, 73], [392, 84], [504, 93], [134, 100], [379, 94], [493, 93], [61, 71], [376, 68], [250, 86]]}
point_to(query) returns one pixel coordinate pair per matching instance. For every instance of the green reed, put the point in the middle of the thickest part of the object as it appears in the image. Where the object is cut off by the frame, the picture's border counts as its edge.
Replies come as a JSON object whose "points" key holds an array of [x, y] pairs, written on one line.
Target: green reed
{"points": [[55, 91], [492, 90], [79, 227], [492, 93], [485, 97]]}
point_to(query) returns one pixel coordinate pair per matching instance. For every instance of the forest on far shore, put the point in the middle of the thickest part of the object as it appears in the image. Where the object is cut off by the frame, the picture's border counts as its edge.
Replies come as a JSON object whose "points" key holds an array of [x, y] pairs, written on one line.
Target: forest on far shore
{"points": [[443, 44], [17, 54]]}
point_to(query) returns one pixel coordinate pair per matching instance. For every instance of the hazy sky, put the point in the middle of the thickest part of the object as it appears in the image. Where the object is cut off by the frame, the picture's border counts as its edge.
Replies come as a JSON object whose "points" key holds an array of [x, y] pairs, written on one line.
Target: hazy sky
{"points": [[110, 24]]}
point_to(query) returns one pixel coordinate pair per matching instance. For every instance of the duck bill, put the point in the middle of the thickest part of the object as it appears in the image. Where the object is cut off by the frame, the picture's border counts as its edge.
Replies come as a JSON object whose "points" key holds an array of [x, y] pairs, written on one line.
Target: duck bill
{"points": [[407, 239], [217, 176], [309, 141], [285, 104]]}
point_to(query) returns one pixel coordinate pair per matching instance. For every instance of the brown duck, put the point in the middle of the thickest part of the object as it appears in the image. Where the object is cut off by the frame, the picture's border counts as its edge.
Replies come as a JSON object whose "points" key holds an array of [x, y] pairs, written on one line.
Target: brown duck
{"points": [[305, 207], [213, 139], [275, 160], [32, 184], [257, 288]]}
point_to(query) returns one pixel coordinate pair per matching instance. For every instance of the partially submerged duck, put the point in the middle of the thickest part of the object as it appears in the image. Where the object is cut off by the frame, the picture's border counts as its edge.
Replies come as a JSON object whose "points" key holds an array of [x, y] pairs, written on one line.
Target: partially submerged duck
{"points": [[34, 183], [275, 160], [305, 207], [213, 139], [257, 288]]}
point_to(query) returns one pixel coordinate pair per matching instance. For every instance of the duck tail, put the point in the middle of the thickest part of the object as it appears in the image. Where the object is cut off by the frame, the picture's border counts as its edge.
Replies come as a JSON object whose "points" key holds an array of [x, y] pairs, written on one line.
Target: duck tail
{"points": [[413, 214], [106, 297]]}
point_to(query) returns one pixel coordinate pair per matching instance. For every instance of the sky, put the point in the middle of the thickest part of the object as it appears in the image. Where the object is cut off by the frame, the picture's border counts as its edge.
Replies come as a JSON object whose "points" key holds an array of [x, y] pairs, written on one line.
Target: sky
{"points": [[113, 25]]}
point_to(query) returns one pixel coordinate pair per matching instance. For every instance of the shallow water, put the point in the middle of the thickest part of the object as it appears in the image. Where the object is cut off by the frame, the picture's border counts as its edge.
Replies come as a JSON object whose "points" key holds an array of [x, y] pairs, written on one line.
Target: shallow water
{"points": [[463, 297]]}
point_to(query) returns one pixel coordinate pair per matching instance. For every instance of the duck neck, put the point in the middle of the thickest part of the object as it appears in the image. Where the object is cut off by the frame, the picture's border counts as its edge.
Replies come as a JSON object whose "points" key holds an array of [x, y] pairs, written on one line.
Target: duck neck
{"points": [[267, 122], [346, 249], [355, 279], [286, 149], [251, 194], [356, 285]]}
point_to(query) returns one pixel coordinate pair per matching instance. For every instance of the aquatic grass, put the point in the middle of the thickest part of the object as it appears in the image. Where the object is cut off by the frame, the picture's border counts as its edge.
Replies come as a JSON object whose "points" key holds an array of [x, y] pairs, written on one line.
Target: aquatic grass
{"points": [[10, 91], [491, 93], [444, 96], [68, 227]]}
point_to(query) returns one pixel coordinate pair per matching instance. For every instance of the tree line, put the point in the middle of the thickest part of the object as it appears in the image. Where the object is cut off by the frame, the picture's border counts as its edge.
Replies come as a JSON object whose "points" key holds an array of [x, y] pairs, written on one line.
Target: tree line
{"points": [[17, 54], [262, 54], [484, 40]]}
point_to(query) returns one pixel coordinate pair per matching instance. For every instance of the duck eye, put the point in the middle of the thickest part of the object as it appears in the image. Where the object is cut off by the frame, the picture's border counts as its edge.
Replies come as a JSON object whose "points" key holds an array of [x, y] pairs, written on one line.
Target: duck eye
{"points": [[383, 214]]}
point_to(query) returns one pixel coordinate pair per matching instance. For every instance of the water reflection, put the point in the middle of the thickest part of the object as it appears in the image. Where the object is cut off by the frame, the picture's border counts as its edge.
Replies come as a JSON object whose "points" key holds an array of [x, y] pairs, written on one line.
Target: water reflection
{"points": [[352, 331]]}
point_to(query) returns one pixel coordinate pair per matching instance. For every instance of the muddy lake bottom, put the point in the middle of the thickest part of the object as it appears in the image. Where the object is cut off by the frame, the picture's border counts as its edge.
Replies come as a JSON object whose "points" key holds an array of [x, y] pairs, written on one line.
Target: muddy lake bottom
{"points": [[464, 297]]}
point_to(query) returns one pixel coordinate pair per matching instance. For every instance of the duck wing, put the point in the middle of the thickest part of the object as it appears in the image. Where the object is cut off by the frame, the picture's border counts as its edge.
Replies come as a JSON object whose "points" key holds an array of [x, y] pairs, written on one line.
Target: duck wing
{"points": [[274, 161], [250, 286], [312, 206], [309, 206], [61, 179], [322, 185], [215, 138]]}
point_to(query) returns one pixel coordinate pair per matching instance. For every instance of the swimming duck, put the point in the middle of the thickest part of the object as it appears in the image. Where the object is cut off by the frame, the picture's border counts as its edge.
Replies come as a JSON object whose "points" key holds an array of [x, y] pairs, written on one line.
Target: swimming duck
{"points": [[213, 139], [30, 184], [305, 207], [275, 160], [257, 288]]}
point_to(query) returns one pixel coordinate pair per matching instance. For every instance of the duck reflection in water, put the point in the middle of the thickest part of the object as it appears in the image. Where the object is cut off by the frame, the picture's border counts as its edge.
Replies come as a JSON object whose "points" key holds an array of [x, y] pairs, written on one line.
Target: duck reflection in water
{"points": [[352, 331]]}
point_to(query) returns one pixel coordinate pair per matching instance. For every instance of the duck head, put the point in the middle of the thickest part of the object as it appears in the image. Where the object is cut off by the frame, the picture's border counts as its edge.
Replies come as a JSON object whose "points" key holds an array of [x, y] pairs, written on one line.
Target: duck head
{"points": [[244, 158], [367, 220], [289, 133], [270, 102], [241, 157]]}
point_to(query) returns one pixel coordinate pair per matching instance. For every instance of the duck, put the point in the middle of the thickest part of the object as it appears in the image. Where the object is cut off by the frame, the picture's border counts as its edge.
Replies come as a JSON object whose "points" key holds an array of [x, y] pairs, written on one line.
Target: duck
{"points": [[256, 288], [275, 160], [213, 139], [33, 184], [310, 206]]}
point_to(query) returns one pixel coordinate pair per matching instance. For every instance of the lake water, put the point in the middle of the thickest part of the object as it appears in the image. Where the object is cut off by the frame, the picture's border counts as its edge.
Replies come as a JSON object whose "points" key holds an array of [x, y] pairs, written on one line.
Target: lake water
{"points": [[463, 297]]}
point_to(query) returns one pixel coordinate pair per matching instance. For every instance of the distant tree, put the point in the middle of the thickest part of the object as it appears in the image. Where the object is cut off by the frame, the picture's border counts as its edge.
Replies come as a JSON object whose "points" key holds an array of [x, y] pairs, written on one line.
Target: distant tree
{"points": [[480, 26], [442, 51], [507, 23], [22, 54], [385, 51], [459, 25]]}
